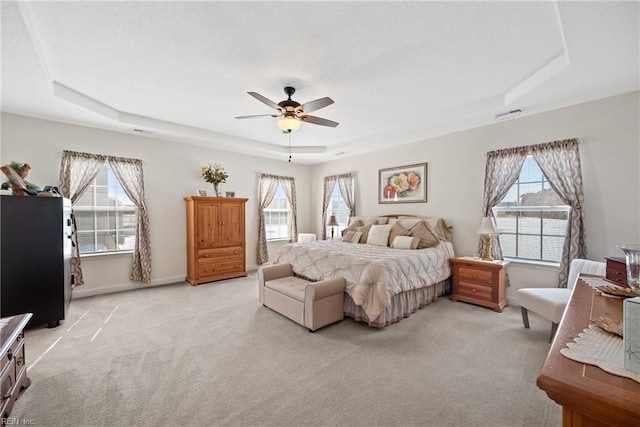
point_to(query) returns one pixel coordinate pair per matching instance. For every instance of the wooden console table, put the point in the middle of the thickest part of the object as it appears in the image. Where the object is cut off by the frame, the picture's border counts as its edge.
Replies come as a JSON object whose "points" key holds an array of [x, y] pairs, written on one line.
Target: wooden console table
{"points": [[13, 371], [588, 395]]}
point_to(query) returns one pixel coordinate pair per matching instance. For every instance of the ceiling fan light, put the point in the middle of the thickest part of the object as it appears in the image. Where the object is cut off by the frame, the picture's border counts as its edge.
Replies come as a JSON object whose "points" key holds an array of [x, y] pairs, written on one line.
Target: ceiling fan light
{"points": [[289, 123]]}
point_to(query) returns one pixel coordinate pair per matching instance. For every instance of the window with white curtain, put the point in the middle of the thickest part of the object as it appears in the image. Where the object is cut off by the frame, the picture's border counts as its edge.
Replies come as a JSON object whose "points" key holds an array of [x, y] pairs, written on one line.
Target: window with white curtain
{"points": [[338, 207], [277, 216], [105, 216], [531, 218]]}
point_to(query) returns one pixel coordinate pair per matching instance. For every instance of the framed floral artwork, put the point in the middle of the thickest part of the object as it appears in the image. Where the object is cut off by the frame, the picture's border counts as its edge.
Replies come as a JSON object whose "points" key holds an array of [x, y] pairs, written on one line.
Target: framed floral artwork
{"points": [[403, 184]]}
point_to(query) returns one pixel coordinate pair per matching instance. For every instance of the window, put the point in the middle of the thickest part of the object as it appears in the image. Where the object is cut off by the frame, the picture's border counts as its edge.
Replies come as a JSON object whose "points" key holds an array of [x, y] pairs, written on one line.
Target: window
{"points": [[532, 218], [277, 217], [338, 207], [105, 217]]}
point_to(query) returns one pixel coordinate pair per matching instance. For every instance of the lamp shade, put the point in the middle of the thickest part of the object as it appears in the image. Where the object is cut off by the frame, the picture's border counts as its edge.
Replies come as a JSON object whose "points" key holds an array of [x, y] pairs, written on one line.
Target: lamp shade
{"points": [[289, 123], [487, 226], [332, 221]]}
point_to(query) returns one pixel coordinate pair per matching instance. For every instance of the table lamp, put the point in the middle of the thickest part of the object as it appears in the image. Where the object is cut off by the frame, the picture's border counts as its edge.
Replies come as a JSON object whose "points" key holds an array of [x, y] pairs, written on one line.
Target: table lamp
{"points": [[487, 229], [332, 223]]}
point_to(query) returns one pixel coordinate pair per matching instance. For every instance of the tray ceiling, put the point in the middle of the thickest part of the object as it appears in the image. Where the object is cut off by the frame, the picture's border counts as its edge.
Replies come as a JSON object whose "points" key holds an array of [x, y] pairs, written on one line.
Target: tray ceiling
{"points": [[398, 71]]}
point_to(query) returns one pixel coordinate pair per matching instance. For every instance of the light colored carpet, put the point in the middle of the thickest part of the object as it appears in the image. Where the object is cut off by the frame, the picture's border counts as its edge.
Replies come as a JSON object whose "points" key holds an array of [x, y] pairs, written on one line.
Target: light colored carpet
{"points": [[212, 355]]}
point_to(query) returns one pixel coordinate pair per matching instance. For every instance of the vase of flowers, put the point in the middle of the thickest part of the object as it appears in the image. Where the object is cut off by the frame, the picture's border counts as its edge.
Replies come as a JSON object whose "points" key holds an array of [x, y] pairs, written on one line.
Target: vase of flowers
{"points": [[214, 174]]}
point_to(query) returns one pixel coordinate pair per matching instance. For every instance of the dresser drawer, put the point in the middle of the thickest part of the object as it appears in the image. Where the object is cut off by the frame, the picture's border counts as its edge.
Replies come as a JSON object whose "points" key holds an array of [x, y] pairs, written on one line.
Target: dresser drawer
{"points": [[13, 349], [212, 269], [475, 275], [476, 291], [219, 254]]}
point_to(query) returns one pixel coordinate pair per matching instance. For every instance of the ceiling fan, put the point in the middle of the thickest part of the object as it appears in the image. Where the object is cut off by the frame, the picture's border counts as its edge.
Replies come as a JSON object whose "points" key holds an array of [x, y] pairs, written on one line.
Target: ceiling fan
{"points": [[292, 112]]}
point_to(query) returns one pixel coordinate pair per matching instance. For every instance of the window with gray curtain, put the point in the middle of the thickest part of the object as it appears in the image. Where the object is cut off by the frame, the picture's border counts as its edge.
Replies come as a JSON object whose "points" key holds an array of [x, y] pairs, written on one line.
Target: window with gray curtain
{"points": [[267, 188], [344, 206], [559, 162], [78, 172]]}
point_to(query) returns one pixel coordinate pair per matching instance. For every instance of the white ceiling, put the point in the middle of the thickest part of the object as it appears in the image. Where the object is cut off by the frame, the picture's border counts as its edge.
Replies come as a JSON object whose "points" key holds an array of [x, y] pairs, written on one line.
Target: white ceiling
{"points": [[398, 71]]}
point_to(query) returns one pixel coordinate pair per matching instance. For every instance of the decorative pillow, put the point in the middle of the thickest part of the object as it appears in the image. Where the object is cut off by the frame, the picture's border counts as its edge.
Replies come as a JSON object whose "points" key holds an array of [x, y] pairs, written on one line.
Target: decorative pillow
{"points": [[379, 235], [352, 237], [365, 232], [355, 223], [405, 242], [440, 228], [348, 236], [409, 222], [397, 230], [427, 239]]}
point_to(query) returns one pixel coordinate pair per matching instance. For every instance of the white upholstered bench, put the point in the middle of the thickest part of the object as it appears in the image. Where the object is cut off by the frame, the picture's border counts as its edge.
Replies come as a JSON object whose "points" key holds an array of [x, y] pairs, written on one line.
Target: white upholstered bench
{"points": [[311, 304]]}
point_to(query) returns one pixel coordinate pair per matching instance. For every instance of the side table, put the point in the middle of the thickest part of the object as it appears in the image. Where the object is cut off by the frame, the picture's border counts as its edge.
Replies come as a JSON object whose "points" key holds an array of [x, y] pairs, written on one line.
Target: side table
{"points": [[480, 282]]}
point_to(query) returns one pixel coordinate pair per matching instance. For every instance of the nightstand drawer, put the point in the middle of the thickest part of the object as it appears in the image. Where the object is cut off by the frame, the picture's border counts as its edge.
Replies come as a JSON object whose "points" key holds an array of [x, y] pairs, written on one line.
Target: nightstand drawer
{"points": [[474, 290], [476, 276]]}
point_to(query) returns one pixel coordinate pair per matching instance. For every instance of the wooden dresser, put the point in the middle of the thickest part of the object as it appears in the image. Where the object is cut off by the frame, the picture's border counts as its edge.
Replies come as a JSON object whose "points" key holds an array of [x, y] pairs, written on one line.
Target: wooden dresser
{"points": [[480, 282], [588, 395], [13, 367], [215, 238]]}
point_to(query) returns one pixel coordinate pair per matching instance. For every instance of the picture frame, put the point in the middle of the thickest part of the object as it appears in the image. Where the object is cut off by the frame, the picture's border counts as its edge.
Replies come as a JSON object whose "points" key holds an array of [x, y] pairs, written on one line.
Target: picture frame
{"points": [[201, 193], [403, 184], [230, 194]]}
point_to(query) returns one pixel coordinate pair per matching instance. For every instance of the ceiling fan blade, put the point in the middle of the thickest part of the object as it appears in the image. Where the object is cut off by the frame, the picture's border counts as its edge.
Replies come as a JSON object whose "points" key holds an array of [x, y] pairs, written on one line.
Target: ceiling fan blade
{"points": [[319, 121], [264, 100], [257, 115], [317, 104]]}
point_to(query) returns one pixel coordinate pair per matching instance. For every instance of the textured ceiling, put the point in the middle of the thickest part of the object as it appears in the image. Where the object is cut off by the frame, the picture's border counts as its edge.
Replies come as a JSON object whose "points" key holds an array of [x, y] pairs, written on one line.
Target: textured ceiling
{"points": [[397, 71]]}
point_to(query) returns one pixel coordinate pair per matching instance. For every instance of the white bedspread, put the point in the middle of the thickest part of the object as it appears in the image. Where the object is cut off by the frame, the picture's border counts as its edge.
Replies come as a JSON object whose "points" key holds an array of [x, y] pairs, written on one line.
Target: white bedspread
{"points": [[373, 273]]}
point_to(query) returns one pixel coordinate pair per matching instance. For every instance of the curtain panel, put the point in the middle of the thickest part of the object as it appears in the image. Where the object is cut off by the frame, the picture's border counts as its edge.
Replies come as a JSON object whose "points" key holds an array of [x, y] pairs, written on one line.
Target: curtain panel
{"points": [[560, 164], [329, 183], [129, 174], [346, 184], [77, 171]]}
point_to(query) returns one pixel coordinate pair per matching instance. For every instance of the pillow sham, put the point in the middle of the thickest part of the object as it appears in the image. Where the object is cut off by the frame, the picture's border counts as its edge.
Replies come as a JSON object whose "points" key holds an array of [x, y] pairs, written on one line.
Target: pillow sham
{"points": [[379, 235], [365, 232], [352, 237], [427, 239], [397, 230], [405, 242], [348, 236]]}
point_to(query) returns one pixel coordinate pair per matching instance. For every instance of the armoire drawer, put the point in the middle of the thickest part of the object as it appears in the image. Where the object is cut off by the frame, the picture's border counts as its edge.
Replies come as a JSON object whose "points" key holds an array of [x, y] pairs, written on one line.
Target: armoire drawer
{"points": [[219, 254], [212, 269]]}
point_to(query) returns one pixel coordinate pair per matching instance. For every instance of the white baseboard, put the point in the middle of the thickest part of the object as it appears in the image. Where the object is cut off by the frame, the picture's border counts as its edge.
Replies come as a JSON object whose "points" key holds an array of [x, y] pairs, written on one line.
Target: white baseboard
{"points": [[78, 292]]}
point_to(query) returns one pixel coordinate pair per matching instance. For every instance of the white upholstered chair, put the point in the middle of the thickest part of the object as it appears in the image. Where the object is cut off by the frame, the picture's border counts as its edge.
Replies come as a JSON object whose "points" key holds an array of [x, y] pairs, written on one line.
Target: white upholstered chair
{"points": [[551, 302], [306, 237]]}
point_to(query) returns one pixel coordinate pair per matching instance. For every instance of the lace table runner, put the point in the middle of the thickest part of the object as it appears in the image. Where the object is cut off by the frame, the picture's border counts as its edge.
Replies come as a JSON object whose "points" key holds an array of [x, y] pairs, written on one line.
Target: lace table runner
{"points": [[602, 349], [594, 281]]}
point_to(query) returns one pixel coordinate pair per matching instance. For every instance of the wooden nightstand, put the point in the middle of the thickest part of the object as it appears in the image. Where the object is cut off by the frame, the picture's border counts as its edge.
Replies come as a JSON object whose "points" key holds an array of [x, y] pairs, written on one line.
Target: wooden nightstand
{"points": [[480, 282]]}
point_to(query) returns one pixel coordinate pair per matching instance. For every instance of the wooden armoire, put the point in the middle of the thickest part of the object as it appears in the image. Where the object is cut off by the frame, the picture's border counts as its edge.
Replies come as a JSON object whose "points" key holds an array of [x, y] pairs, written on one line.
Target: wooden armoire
{"points": [[215, 238]]}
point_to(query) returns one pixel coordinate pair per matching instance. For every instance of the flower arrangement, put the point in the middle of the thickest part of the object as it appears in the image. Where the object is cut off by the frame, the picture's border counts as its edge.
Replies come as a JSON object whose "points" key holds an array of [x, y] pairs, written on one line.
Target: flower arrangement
{"points": [[401, 184], [214, 174]]}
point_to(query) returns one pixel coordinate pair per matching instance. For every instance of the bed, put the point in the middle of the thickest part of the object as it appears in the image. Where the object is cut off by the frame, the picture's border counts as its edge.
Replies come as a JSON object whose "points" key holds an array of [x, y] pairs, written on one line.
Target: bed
{"points": [[384, 284]]}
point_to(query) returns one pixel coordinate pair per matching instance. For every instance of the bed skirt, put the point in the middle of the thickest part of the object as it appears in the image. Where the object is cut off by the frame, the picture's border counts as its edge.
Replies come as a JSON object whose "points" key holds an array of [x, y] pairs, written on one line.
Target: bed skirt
{"points": [[402, 305]]}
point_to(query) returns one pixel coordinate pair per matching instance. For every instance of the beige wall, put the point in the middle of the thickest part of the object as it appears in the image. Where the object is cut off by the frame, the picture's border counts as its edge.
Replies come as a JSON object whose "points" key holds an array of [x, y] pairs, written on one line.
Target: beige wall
{"points": [[610, 155], [171, 171]]}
